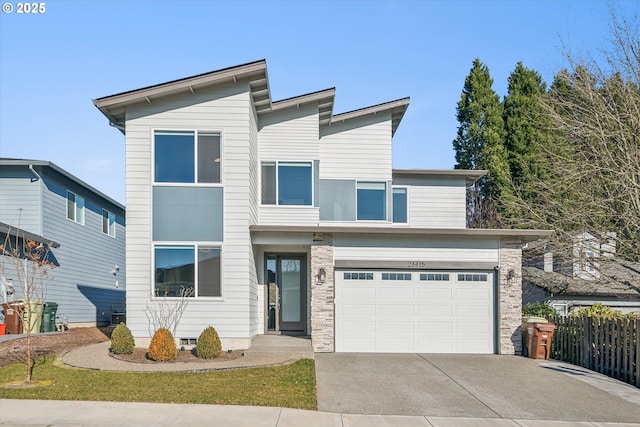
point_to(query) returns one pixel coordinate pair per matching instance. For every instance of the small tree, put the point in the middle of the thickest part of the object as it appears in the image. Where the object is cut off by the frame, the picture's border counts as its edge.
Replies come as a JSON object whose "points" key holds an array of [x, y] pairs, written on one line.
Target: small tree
{"points": [[31, 264], [165, 313]]}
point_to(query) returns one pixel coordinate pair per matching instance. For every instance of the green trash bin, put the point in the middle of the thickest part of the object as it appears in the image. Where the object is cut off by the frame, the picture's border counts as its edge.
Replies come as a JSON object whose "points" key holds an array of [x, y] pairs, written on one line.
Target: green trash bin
{"points": [[49, 317], [32, 317]]}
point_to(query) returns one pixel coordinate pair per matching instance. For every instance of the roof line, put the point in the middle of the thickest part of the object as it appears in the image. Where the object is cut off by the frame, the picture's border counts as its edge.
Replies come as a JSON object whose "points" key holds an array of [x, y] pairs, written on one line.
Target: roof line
{"points": [[524, 235], [198, 78], [302, 99], [18, 232], [53, 166], [373, 109]]}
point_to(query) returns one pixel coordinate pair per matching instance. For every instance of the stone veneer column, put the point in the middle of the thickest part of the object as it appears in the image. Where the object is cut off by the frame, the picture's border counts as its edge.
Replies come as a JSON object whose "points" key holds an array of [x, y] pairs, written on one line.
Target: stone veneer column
{"points": [[510, 301], [322, 294]]}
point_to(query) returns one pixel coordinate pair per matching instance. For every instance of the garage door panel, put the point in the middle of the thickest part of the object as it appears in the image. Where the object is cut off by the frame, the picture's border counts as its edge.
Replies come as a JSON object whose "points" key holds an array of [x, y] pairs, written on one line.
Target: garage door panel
{"points": [[356, 344], [433, 311], [358, 311], [357, 328], [396, 345], [399, 329], [473, 294], [467, 311], [428, 316], [396, 293], [400, 310], [433, 328], [472, 327], [361, 293]]}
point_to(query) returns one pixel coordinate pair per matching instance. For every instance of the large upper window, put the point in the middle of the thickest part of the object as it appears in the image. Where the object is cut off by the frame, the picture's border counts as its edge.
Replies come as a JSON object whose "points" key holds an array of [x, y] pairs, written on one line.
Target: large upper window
{"points": [[75, 207], [108, 223], [372, 201], [400, 204], [179, 159], [287, 183], [187, 267]]}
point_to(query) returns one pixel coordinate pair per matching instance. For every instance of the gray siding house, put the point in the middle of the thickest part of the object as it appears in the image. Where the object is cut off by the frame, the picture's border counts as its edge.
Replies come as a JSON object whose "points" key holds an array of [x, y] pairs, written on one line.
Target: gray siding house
{"points": [[49, 204], [285, 218]]}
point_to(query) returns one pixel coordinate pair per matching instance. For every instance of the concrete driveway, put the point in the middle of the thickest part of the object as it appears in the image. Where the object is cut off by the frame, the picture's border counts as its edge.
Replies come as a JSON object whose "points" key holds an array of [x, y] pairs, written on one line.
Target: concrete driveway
{"points": [[479, 386]]}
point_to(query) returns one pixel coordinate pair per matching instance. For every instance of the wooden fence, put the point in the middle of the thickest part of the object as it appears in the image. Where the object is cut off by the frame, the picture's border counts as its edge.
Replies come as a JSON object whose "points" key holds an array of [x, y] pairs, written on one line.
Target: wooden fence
{"points": [[608, 346]]}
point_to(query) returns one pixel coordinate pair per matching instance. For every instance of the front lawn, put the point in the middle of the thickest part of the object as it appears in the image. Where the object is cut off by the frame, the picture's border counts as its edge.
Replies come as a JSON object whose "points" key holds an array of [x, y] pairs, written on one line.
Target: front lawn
{"points": [[291, 386]]}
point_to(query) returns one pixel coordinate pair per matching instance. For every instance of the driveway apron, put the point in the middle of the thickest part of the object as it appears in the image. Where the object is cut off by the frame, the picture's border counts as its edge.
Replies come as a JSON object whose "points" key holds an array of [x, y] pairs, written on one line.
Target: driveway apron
{"points": [[482, 386]]}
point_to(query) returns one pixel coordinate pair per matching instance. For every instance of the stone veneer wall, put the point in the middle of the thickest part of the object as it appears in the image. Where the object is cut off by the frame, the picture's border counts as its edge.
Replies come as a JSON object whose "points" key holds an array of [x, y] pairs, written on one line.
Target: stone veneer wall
{"points": [[510, 301], [322, 294]]}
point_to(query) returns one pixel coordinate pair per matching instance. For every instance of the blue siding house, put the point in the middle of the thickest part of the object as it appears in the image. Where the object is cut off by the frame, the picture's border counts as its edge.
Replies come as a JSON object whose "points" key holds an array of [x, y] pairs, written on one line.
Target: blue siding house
{"points": [[43, 200]]}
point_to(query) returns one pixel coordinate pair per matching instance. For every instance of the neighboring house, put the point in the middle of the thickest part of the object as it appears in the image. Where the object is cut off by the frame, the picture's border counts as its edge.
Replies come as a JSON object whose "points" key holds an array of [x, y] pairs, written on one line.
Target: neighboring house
{"points": [[84, 228], [287, 218], [589, 274]]}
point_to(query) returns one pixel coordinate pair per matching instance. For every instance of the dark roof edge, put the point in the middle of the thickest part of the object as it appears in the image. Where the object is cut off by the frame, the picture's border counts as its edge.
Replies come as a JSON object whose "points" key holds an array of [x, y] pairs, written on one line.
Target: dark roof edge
{"points": [[53, 166], [13, 231]]}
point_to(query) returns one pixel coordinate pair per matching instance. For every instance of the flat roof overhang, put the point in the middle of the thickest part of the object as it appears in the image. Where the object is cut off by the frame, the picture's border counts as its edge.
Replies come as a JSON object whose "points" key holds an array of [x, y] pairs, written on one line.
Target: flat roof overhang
{"points": [[521, 236]]}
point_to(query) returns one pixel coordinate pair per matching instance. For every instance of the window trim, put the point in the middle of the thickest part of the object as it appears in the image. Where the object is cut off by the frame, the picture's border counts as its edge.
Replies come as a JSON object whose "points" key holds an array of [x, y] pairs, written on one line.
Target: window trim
{"points": [[276, 164], [195, 158], [195, 246], [386, 201], [75, 207], [115, 223]]}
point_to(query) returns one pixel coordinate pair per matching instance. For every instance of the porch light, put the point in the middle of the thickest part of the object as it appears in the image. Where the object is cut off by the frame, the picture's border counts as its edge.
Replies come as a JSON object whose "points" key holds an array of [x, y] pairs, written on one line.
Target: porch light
{"points": [[322, 275]]}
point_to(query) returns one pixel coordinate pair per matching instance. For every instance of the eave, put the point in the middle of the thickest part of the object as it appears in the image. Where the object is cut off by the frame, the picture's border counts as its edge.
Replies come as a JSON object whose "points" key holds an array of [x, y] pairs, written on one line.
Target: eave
{"points": [[522, 236], [470, 175], [397, 109]]}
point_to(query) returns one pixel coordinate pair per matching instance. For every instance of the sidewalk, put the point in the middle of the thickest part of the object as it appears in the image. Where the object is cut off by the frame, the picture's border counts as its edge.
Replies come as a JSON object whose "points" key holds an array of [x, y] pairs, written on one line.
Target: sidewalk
{"points": [[101, 414]]}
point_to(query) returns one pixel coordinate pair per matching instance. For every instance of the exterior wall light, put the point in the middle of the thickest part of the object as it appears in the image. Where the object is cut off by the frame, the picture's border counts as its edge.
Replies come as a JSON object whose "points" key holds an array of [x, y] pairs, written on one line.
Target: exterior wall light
{"points": [[322, 275]]}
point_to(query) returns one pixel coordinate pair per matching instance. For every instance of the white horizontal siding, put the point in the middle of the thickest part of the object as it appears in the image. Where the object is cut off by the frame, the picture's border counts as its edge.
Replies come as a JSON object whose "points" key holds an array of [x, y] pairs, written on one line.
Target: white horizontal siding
{"points": [[359, 149], [289, 215], [224, 108], [291, 134], [416, 248]]}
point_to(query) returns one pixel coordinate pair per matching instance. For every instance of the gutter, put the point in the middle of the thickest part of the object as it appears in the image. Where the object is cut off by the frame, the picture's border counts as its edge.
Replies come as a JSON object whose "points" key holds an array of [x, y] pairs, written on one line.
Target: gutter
{"points": [[38, 177]]}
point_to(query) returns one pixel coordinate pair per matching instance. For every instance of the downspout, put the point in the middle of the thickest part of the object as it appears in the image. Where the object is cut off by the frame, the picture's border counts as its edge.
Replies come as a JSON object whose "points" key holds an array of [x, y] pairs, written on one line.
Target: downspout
{"points": [[38, 177]]}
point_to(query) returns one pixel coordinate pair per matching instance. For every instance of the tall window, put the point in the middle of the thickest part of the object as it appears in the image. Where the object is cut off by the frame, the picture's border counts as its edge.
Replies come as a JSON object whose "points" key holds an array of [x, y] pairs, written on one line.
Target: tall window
{"points": [[372, 201], [399, 204], [75, 207], [108, 223], [287, 183], [177, 268], [187, 157]]}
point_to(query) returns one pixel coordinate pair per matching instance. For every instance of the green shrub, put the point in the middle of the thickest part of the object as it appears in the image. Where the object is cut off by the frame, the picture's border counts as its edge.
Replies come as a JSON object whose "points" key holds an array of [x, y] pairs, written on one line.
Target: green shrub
{"points": [[122, 341], [600, 311], [208, 345], [539, 309], [163, 346]]}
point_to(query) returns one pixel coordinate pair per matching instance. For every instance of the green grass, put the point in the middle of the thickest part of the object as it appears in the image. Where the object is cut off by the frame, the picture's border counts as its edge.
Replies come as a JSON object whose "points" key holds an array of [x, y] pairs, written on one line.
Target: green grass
{"points": [[291, 386]]}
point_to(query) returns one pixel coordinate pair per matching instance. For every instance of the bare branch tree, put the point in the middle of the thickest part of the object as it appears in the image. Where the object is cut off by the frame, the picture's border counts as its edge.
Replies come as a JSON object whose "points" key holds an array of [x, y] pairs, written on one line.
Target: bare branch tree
{"points": [[167, 313], [31, 265]]}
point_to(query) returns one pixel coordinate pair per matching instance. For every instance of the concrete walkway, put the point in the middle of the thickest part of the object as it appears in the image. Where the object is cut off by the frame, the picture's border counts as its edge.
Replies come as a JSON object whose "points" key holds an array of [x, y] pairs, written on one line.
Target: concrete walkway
{"points": [[19, 413]]}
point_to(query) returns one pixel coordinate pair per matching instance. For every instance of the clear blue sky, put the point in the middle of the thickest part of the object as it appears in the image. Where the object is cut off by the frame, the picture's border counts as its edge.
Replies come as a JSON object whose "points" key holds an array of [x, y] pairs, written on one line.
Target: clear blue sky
{"points": [[53, 65]]}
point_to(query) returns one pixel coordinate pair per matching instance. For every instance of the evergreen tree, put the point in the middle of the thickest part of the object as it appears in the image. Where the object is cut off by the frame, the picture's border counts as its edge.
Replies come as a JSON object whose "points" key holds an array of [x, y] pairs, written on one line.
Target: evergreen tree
{"points": [[479, 145], [527, 130]]}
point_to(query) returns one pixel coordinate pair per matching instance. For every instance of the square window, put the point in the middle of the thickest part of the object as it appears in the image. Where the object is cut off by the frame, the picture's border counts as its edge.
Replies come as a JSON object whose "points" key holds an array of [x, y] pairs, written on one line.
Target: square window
{"points": [[385, 276], [400, 205], [369, 276], [287, 183], [371, 199], [108, 223], [346, 276], [187, 157], [75, 207], [176, 271]]}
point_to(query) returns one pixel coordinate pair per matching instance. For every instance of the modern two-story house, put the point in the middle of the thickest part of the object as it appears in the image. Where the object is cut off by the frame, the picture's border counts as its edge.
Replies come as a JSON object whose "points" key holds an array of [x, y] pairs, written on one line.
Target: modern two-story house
{"points": [[284, 217], [84, 230]]}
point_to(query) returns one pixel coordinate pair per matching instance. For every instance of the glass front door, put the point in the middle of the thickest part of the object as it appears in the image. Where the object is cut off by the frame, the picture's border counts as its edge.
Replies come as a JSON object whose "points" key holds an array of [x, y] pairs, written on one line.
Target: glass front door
{"points": [[286, 293]]}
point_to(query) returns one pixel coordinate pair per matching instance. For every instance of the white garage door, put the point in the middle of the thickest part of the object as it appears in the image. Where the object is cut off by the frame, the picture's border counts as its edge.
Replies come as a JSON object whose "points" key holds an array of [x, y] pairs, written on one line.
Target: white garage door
{"points": [[414, 311]]}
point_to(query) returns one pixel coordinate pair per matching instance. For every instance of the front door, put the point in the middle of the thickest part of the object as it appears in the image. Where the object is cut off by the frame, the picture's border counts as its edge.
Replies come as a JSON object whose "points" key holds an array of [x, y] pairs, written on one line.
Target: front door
{"points": [[287, 293]]}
